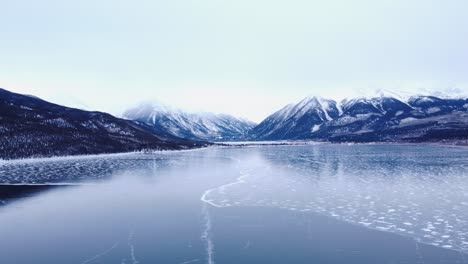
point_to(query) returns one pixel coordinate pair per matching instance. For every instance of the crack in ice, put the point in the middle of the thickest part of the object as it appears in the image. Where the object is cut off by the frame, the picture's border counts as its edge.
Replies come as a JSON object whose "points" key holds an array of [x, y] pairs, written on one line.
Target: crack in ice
{"points": [[419, 253], [190, 261], [132, 247], [247, 245], [103, 253], [239, 180], [206, 236]]}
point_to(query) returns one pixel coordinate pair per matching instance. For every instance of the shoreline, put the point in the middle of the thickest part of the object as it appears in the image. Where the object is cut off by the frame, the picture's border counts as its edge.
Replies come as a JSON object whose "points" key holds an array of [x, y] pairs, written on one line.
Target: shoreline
{"points": [[238, 144], [90, 156], [313, 143]]}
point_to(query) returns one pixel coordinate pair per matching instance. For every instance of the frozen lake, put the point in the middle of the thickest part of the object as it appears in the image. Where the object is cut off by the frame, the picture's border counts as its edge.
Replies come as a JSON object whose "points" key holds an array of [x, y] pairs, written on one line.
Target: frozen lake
{"points": [[260, 204]]}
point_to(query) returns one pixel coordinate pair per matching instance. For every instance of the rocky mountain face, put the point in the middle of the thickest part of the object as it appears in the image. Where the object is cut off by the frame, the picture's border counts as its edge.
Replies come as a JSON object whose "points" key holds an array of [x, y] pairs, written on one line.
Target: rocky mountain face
{"points": [[194, 126], [383, 118], [31, 127]]}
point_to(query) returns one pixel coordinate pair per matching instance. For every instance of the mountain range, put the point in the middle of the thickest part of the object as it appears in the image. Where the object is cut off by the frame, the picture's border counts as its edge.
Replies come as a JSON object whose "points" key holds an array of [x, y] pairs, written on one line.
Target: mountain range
{"points": [[30, 126], [380, 119], [194, 126]]}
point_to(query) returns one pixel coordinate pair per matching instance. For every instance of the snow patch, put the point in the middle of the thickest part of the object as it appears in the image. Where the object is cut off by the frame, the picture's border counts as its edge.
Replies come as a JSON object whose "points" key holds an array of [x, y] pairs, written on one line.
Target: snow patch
{"points": [[316, 128], [25, 107], [325, 107], [433, 110], [408, 120]]}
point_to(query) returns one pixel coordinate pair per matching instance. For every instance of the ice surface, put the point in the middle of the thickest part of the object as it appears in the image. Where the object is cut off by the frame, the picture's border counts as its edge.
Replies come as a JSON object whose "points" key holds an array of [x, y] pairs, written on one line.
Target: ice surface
{"points": [[421, 194], [84, 168], [420, 191]]}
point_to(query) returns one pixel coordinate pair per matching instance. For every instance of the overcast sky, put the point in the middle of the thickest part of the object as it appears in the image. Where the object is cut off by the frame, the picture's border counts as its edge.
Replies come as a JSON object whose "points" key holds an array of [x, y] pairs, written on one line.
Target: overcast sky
{"points": [[243, 57]]}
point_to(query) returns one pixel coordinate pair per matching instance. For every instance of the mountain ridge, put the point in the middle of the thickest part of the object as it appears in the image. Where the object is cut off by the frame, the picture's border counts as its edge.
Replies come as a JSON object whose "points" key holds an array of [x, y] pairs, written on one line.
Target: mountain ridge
{"points": [[364, 119], [32, 127], [190, 125]]}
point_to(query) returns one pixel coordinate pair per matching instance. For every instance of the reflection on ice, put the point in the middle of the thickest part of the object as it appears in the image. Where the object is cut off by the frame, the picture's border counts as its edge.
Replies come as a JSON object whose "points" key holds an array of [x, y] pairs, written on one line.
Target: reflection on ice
{"points": [[62, 170], [418, 192], [73, 169]]}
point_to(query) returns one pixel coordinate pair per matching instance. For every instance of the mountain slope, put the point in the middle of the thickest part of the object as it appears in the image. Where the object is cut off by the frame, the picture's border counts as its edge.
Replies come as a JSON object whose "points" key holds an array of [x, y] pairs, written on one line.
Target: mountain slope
{"points": [[31, 127], [420, 118], [296, 120], [194, 126]]}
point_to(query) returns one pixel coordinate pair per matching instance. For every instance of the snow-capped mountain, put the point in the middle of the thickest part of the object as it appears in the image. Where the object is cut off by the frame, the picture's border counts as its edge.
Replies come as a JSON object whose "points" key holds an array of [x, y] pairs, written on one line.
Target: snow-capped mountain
{"points": [[195, 126], [381, 118], [296, 119], [32, 127]]}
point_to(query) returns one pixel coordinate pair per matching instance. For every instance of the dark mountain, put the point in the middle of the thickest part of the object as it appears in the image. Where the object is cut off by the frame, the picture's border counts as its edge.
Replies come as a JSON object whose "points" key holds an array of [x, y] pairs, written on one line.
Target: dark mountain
{"points": [[31, 127], [383, 118], [194, 126]]}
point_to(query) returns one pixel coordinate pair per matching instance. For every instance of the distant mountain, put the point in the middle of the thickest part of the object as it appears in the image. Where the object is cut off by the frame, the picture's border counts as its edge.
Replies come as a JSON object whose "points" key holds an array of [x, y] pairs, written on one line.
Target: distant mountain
{"points": [[194, 126], [31, 127], [296, 120], [382, 118]]}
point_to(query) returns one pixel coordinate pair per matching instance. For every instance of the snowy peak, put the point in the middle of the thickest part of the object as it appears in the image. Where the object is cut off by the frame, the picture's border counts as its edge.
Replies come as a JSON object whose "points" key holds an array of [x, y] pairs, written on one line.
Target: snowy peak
{"points": [[297, 118], [376, 105], [324, 109], [150, 110], [358, 106], [196, 126], [434, 105], [320, 118]]}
